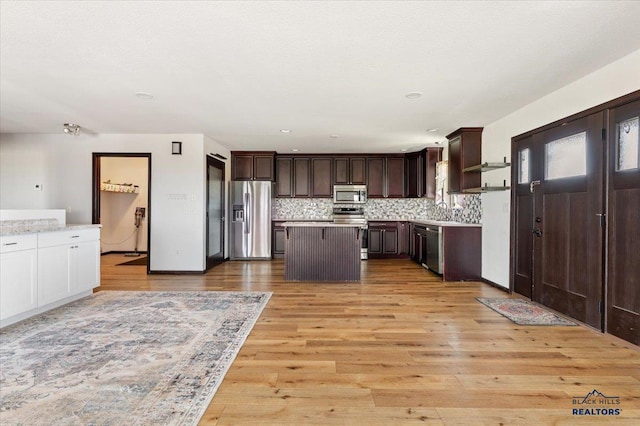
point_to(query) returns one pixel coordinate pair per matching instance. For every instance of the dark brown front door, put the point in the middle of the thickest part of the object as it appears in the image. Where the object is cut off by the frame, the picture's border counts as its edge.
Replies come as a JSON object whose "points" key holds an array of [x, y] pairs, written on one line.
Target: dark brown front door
{"points": [[559, 235], [523, 218], [623, 289]]}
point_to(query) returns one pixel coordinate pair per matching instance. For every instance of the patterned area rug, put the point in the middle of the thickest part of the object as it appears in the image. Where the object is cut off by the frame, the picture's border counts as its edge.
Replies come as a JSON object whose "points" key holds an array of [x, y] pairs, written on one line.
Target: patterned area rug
{"points": [[116, 358], [524, 312]]}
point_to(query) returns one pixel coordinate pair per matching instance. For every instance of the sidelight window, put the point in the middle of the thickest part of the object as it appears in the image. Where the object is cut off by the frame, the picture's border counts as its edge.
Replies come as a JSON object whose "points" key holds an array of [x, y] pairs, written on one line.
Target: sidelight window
{"points": [[566, 157], [628, 141]]}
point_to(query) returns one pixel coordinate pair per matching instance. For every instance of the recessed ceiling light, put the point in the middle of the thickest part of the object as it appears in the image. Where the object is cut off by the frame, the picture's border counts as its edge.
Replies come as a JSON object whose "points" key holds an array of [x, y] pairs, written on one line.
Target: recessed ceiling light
{"points": [[413, 95], [285, 130], [295, 149], [403, 149], [335, 136], [435, 129], [144, 95]]}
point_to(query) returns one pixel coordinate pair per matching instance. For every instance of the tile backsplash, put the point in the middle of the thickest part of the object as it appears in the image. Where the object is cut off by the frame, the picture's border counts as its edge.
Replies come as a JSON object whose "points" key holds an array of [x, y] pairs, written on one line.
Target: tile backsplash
{"points": [[381, 209]]}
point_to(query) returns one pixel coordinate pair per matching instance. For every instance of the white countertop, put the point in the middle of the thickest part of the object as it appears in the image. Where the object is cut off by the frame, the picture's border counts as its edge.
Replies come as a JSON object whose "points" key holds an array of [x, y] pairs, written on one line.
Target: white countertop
{"points": [[40, 229], [447, 223], [321, 224]]}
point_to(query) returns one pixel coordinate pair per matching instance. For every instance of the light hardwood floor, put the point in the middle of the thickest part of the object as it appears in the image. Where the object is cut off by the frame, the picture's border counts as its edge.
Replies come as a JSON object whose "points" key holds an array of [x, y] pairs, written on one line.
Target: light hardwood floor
{"points": [[401, 347]]}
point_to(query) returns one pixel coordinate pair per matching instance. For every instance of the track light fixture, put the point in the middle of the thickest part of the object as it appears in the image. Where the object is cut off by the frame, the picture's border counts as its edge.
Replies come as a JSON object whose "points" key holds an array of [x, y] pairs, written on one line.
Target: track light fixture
{"points": [[71, 129]]}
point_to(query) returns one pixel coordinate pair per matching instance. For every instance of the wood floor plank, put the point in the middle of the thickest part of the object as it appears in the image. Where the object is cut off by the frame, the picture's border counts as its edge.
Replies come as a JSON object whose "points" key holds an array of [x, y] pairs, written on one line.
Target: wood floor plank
{"points": [[400, 347]]}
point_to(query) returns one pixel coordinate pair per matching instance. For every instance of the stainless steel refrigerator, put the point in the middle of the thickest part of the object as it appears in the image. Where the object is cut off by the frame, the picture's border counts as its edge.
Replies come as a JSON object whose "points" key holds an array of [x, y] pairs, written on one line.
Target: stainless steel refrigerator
{"points": [[250, 219]]}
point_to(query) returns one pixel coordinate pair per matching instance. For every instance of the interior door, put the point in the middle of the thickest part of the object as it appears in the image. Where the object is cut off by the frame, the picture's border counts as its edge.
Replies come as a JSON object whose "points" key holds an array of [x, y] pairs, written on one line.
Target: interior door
{"points": [[568, 205], [623, 293], [215, 212]]}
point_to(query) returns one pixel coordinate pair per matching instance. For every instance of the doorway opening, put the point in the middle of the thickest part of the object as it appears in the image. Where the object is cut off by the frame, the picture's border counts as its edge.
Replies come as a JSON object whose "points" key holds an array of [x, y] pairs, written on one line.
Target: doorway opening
{"points": [[121, 204], [215, 212]]}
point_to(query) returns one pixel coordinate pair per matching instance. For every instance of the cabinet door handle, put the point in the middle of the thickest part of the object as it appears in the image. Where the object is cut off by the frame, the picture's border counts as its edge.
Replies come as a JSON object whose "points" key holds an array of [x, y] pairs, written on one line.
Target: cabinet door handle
{"points": [[10, 244], [75, 236]]}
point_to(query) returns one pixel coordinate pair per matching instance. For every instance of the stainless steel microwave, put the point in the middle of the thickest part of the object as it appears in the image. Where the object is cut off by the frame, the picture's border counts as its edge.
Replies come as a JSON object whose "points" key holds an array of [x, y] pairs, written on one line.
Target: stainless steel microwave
{"points": [[349, 194]]}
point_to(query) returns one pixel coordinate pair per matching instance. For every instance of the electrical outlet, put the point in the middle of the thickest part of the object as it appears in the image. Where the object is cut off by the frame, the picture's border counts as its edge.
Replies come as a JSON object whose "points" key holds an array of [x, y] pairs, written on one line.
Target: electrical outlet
{"points": [[37, 187]]}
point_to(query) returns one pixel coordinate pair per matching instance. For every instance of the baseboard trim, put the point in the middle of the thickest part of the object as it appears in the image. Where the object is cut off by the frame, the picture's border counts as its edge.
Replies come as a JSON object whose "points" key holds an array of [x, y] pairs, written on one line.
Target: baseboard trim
{"points": [[177, 272], [492, 284], [120, 252]]}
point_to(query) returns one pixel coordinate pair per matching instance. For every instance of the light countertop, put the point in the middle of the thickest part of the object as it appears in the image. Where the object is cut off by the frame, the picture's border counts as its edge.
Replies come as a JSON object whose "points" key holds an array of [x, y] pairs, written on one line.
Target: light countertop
{"points": [[446, 223], [33, 229], [321, 224]]}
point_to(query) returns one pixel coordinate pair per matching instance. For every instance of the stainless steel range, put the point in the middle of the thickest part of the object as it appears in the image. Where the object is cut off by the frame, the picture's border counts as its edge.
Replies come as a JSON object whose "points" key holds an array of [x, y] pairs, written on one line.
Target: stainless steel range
{"points": [[354, 215]]}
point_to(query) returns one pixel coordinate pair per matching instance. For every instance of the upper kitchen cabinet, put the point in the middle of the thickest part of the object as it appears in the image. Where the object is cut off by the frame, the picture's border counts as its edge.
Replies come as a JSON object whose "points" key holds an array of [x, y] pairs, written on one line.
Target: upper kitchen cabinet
{"points": [[432, 157], [385, 177], [321, 174], [284, 176], [421, 173], [246, 165], [414, 173], [349, 171], [465, 150], [301, 177], [304, 177]]}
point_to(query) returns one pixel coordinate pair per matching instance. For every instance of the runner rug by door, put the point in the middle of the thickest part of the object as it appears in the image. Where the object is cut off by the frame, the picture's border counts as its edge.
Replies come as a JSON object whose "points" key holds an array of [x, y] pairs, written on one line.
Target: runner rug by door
{"points": [[524, 312], [123, 357]]}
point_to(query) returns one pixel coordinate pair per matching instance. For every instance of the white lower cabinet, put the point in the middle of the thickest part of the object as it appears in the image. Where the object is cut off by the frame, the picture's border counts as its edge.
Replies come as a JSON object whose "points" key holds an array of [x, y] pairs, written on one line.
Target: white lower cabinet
{"points": [[18, 276], [61, 267], [86, 257], [54, 273]]}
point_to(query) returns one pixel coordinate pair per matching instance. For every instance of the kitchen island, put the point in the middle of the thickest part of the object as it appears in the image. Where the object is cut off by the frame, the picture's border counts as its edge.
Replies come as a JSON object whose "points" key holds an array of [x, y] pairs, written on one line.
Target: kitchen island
{"points": [[322, 251]]}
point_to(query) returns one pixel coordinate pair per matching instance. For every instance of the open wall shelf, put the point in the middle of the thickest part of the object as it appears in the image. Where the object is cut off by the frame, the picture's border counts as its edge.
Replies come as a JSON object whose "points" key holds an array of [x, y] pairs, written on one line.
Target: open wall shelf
{"points": [[487, 167], [126, 188]]}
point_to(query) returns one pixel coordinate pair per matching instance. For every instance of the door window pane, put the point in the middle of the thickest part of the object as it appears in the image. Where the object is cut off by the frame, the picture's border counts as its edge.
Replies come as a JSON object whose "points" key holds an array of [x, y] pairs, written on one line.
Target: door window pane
{"points": [[566, 157], [628, 142], [524, 176]]}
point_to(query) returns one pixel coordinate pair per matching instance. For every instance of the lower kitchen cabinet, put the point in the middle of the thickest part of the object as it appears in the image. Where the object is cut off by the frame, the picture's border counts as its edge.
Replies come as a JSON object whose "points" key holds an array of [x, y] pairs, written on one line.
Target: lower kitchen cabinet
{"points": [[278, 240], [385, 240], [56, 268], [18, 275], [455, 253]]}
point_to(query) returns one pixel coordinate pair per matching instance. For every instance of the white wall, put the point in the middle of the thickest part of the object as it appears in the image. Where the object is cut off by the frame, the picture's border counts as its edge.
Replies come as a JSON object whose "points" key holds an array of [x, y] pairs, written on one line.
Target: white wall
{"points": [[117, 209], [614, 80], [63, 164], [212, 147]]}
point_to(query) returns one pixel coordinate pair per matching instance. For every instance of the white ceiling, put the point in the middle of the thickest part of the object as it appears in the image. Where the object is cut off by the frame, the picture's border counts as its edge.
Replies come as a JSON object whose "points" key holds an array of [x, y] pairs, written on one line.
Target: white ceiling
{"points": [[241, 71]]}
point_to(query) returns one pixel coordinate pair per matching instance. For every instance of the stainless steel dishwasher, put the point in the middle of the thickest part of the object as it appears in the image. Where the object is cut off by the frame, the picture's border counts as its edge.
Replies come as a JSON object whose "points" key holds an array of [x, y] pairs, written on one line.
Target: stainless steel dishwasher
{"points": [[434, 248]]}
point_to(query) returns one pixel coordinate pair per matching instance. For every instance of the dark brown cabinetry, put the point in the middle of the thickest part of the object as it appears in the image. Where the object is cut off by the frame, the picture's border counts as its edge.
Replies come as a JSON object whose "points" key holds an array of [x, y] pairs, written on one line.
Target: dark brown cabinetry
{"points": [[459, 246], [403, 238], [432, 157], [349, 170], [418, 246], [421, 173], [301, 177], [414, 173], [321, 174], [465, 150], [284, 177], [383, 239], [252, 165], [315, 175], [278, 239], [385, 177], [304, 177]]}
